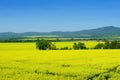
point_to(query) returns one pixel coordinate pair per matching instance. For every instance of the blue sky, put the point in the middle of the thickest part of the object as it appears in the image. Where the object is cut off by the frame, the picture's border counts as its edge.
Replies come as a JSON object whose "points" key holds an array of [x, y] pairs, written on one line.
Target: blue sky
{"points": [[57, 15]]}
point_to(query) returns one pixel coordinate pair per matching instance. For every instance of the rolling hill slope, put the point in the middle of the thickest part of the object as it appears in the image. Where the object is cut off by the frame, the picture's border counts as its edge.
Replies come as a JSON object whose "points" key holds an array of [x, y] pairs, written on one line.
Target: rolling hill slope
{"points": [[103, 31]]}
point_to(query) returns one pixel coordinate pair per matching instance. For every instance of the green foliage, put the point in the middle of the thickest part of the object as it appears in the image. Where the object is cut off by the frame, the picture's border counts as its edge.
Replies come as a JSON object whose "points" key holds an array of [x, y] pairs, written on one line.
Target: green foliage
{"points": [[113, 45], [99, 46], [79, 45], [57, 39], [45, 45], [75, 46], [65, 48], [108, 45], [118, 45]]}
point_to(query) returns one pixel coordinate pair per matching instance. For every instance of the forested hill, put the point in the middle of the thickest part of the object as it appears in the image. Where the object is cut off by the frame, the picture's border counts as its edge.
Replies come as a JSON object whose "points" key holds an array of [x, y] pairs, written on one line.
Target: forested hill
{"points": [[103, 31]]}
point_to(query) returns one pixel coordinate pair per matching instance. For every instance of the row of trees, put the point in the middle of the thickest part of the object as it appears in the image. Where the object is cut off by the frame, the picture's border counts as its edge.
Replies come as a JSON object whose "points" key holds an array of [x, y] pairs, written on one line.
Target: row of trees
{"points": [[47, 45], [108, 45]]}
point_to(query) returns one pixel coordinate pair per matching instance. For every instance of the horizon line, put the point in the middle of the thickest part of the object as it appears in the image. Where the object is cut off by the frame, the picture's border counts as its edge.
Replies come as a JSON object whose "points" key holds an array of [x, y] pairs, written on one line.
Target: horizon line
{"points": [[58, 31]]}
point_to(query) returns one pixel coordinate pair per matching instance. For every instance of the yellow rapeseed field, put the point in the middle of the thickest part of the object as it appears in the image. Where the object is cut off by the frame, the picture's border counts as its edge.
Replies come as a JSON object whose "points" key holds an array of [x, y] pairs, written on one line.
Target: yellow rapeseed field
{"points": [[22, 61], [89, 44]]}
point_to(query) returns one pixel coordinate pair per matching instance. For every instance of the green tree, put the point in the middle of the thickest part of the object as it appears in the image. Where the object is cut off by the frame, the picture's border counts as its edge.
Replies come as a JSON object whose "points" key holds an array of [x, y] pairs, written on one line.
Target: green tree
{"points": [[118, 45], [57, 39], [45, 45], [99, 46], [79, 46], [75, 46], [106, 45], [113, 44]]}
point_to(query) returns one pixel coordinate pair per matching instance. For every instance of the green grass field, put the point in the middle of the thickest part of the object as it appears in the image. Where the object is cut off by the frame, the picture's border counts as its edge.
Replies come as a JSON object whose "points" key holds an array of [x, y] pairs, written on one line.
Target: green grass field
{"points": [[22, 61]]}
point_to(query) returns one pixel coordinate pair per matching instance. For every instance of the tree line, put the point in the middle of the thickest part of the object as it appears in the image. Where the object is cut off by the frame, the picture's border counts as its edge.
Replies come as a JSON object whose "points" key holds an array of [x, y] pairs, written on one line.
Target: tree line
{"points": [[108, 45], [48, 45]]}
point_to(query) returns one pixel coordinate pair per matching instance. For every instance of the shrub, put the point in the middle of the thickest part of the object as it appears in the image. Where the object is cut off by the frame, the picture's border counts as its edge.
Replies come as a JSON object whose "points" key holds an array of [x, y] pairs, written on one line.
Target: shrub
{"points": [[99, 46], [106, 45], [79, 46], [45, 45], [65, 48]]}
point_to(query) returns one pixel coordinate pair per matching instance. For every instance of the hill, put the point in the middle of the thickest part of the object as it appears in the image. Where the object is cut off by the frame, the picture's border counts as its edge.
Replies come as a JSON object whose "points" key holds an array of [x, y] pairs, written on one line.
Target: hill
{"points": [[99, 32]]}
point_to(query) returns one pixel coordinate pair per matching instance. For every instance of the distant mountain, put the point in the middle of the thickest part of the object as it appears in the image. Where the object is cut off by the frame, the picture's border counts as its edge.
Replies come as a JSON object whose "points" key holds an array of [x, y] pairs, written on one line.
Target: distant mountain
{"points": [[104, 31]]}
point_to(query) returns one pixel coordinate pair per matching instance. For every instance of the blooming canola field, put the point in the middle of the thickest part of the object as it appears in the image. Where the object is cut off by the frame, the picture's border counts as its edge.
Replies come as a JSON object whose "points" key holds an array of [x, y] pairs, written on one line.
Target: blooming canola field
{"points": [[22, 61]]}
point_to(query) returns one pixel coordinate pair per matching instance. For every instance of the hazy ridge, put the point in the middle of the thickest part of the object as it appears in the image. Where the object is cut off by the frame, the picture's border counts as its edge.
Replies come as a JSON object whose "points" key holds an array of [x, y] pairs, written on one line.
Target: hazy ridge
{"points": [[103, 31]]}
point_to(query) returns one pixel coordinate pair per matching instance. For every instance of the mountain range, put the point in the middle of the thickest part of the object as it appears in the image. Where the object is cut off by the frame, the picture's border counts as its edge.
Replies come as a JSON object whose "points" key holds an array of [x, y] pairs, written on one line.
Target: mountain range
{"points": [[103, 31]]}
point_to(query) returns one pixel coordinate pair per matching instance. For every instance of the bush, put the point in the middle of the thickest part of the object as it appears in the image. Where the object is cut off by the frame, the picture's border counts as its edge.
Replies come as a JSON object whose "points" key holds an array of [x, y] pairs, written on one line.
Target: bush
{"points": [[118, 45], [65, 48], [75, 46], [45, 45], [106, 45], [79, 46], [99, 46]]}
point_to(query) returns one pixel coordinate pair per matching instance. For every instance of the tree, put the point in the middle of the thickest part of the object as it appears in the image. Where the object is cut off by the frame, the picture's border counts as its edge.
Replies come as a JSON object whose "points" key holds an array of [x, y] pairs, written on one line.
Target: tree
{"points": [[106, 45], [45, 45], [113, 44], [75, 46], [57, 39], [118, 45], [99, 46], [79, 46]]}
